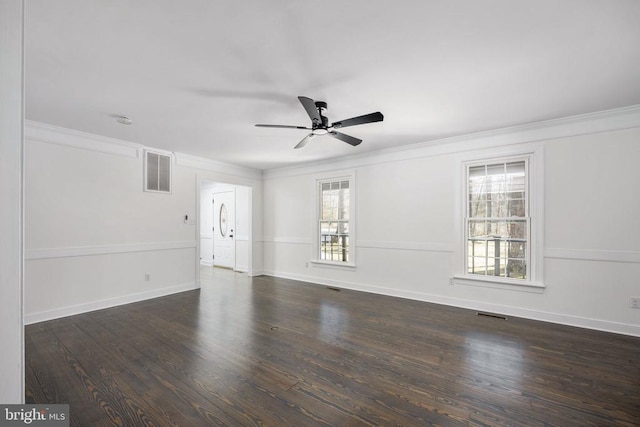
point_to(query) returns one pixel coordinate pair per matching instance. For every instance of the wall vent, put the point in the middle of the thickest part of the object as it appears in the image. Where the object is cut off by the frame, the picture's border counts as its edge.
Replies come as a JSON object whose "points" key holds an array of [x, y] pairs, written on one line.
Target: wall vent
{"points": [[157, 172], [496, 316]]}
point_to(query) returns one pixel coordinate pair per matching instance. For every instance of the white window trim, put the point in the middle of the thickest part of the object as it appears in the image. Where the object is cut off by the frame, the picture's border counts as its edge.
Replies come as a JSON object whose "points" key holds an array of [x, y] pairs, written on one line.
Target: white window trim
{"points": [[535, 158], [144, 178], [334, 176]]}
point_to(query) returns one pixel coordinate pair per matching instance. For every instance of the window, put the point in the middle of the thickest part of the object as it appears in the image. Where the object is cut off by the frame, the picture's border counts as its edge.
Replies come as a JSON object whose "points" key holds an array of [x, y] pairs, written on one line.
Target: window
{"points": [[497, 220], [334, 225], [502, 219], [157, 172], [223, 220]]}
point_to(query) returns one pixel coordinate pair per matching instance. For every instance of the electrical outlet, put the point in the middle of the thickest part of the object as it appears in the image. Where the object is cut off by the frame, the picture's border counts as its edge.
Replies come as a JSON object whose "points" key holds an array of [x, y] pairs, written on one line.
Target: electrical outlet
{"points": [[635, 302], [147, 277]]}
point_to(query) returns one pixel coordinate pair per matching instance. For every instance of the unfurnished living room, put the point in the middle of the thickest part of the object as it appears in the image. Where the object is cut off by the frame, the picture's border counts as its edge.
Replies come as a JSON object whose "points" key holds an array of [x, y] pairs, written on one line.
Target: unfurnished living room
{"points": [[295, 213]]}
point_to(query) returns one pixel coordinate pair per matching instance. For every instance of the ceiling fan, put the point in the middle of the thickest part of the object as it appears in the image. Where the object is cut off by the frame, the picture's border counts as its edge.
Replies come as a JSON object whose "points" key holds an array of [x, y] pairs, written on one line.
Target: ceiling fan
{"points": [[320, 124]]}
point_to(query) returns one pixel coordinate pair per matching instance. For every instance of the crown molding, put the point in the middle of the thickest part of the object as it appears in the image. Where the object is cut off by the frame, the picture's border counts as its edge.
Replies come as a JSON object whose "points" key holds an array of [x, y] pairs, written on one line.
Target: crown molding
{"points": [[583, 124], [42, 132], [195, 162]]}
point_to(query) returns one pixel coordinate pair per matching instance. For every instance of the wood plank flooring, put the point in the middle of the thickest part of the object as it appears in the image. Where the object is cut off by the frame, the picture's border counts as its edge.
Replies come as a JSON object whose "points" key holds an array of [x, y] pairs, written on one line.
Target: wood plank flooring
{"points": [[272, 352]]}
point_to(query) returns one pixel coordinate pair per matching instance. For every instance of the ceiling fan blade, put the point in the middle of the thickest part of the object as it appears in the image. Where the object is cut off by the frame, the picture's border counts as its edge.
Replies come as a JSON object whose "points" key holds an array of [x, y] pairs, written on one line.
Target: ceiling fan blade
{"points": [[282, 126], [360, 120], [345, 138], [304, 141], [310, 105]]}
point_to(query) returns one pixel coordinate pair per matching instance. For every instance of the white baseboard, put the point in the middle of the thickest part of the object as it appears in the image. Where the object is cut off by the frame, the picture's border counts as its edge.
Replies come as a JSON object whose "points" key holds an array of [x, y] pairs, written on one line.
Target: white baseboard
{"points": [[241, 268], [256, 273], [543, 316], [105, 303], [208, 263]]}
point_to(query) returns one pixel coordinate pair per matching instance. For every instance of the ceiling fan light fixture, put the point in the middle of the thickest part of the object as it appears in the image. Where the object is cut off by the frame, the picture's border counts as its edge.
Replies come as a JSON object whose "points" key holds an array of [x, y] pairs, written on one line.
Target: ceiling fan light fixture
{"points": [[320, 131]]}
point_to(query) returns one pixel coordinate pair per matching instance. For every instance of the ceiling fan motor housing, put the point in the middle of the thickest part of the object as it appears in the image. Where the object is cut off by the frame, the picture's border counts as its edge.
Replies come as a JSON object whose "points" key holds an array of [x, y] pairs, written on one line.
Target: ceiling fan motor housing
{"points": [[321, 106]]}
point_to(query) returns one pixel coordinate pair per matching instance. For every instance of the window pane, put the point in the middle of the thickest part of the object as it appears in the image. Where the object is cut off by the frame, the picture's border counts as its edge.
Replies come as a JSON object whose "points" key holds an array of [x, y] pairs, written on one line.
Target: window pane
{"points": [[515, 195], [494, 170], [517, 230], [477, 266], [497, 209], [517, 269], [343, 202], [327, 227], [478, 209], [476, 172], [479, 248], [477, 228], [516, 250], [329, 205], [515, 208], [516, 169]]}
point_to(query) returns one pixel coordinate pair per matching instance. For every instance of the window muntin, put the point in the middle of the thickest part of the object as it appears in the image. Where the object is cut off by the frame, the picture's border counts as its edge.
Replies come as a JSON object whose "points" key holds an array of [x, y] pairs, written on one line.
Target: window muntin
{"points": [[334, 220], [497, 223]]}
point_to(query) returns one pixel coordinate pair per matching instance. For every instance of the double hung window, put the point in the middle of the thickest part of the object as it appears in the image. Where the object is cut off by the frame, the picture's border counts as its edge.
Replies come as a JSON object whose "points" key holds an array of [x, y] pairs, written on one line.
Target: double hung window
{"points": [[334, 215], [497, 219]]}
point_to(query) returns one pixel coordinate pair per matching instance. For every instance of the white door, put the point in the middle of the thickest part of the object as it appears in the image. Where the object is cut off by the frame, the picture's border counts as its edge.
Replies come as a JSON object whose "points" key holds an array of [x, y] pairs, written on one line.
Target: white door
{"points": [[224, 214]]}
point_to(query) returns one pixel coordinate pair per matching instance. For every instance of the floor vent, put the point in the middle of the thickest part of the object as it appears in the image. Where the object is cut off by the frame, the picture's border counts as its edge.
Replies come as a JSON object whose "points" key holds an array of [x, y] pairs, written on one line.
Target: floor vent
{"points": [[333, 289], [495, 316]]}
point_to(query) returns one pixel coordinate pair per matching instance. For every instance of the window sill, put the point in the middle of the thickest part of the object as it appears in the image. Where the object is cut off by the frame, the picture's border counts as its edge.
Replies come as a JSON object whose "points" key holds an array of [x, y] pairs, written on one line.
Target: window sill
{"points": [[333, 264], [498, 283]]}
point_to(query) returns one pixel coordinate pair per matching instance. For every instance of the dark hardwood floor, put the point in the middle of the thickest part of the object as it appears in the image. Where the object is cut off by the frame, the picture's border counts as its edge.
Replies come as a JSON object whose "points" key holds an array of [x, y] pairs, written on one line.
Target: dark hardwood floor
{"points": [[274, 352]]}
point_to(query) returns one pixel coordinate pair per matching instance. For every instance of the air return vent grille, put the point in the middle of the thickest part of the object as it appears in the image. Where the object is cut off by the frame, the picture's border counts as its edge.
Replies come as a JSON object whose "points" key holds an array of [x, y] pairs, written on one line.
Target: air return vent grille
{"points": [[157, 172]]}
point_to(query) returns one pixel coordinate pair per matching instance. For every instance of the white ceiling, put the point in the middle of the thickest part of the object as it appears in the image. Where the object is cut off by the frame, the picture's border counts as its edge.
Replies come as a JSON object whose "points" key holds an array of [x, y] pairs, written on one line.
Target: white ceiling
{"points": [[196, 75]]}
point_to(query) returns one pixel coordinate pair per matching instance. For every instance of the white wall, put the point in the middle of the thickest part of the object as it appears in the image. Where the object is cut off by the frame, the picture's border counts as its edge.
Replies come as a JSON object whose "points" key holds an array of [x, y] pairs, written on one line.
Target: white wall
{"points": [[206, 223], [93, 234], [11, 167], [408, 225], [243, 230]]}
